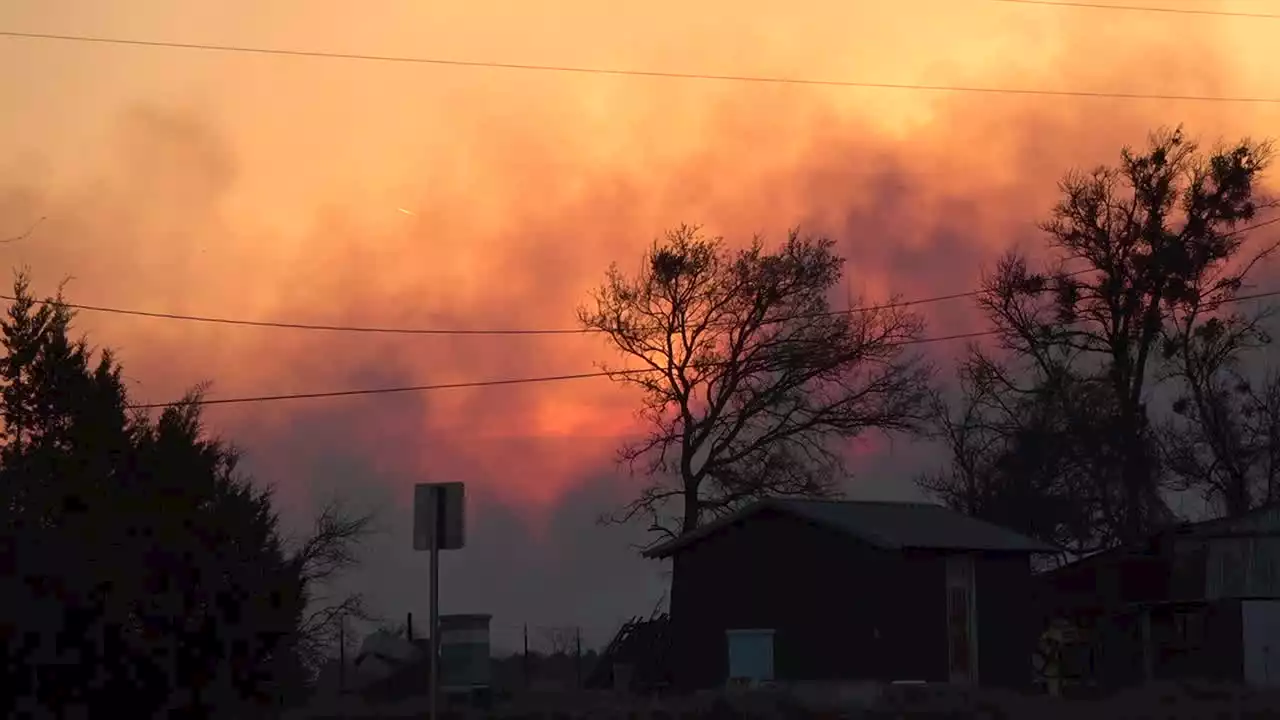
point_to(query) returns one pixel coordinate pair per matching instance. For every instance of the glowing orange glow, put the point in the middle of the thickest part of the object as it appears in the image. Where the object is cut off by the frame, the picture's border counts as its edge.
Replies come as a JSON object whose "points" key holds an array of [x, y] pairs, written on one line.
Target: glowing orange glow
{"points": [[258, 187]]}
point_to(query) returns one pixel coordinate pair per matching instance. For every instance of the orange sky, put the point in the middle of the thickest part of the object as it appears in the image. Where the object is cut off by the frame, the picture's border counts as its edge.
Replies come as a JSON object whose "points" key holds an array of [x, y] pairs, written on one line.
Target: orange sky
{"points": [[268, 187]]}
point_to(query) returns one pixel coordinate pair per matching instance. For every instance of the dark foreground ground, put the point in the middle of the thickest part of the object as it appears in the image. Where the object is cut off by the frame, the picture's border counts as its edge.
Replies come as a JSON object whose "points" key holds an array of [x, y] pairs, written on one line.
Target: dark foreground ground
{"points": [[1165, 701]]}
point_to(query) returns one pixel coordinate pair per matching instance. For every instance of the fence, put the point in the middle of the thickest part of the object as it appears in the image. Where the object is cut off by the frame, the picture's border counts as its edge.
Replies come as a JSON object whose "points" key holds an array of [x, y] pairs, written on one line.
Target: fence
{"points": [[546, 657], [524, 657]]}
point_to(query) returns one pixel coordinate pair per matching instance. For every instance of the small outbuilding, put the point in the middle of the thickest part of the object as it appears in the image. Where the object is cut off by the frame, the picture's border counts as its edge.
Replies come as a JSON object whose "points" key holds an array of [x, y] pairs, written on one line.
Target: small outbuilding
{"points": [[791, 590], [1195, 601]]}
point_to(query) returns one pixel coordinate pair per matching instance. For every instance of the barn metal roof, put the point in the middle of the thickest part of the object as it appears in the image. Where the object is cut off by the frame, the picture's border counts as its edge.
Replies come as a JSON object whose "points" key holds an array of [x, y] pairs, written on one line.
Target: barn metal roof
{"points": [[888, 525]]}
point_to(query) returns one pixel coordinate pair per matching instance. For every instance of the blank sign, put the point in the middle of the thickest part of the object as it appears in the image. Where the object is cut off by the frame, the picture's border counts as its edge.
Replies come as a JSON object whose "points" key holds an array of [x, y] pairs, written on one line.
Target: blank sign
{"points": [[438, 508]]}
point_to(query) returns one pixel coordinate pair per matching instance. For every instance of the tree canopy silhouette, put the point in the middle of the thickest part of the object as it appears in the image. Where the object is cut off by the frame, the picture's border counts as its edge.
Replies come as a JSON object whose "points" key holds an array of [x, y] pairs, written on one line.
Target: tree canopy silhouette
{"points": [[141, 574], [1055, 427], [750, 378]]}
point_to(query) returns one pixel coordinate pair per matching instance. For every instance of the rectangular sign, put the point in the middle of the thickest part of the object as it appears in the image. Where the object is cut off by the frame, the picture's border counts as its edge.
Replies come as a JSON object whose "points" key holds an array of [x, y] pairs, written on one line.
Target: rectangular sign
{"points": [[438, 508]]}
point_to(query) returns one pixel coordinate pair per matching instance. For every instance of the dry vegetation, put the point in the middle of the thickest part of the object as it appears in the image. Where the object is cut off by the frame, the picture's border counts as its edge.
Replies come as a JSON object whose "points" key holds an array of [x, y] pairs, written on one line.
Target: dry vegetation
{"points": [[1171, 701]]}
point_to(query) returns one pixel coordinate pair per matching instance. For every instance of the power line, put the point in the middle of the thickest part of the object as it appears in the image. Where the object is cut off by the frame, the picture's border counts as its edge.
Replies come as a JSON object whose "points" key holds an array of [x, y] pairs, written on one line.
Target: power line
{"points": [[286, 325], [386, 390], [554, 378], [24, 235], [484, 383], [633, 73], [283, 325], [1139, 8]]}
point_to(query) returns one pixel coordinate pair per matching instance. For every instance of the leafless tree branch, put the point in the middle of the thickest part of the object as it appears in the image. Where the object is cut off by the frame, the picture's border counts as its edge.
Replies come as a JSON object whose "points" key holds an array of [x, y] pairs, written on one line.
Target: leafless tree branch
{"points": [[1144, 256], [330, 549], [752, 380]]}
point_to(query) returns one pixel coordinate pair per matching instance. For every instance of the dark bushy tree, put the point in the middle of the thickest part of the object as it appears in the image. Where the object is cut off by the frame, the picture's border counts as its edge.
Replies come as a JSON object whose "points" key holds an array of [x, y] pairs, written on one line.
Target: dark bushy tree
{"points": [[140, 573]]}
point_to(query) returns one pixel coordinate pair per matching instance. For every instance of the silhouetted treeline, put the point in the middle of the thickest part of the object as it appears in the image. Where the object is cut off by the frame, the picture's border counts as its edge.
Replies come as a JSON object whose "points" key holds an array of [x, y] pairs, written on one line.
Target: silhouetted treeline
{"points": [[1119, 370], [141, 574]]}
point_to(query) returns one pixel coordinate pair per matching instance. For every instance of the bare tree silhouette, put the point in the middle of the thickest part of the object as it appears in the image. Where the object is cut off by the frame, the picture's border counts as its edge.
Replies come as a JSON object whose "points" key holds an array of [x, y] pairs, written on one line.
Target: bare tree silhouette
{"points": [[752, 379], [1055, 426]]}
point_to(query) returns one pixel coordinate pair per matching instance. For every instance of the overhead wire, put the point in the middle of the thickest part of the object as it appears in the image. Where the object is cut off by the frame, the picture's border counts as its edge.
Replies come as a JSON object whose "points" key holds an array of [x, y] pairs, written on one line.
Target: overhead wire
{"points": [[594, 71], [482, 383], [290, 325], [557, 378], [1142, 8], [586, 70], [546, 378], [285, 325]]}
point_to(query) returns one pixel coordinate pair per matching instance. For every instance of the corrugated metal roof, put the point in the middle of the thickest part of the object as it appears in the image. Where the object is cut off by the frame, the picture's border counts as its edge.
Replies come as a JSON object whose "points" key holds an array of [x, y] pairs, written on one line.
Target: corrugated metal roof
{"points": [[1262, 520], [889, 525]]}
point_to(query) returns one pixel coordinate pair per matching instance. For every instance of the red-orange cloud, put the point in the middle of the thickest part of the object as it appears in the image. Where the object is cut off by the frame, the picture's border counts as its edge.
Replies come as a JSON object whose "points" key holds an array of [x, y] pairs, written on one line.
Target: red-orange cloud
{"points": [[524, 187]]}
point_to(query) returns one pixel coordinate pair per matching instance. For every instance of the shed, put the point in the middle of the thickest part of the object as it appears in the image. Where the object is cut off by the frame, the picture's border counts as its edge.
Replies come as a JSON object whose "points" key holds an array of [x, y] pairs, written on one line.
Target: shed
{"points": [[851, 590], [1194, 601]]}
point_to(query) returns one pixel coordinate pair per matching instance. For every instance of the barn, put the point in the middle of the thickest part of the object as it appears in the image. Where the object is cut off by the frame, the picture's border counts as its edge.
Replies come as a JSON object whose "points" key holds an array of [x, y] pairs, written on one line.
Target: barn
{"points": [[1194, 601], [794, 591]]}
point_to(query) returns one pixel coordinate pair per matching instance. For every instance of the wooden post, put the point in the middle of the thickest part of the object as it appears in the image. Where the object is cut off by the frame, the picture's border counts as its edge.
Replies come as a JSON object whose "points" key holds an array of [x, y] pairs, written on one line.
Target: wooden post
{"points": [[1148, 654], [342, 654], [577, 661], [525, 658]]}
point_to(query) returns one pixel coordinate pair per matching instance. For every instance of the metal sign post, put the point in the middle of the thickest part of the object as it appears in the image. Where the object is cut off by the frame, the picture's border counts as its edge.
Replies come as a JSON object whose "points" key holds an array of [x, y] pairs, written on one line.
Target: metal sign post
{"points": [[437, 525], [433, 620]]}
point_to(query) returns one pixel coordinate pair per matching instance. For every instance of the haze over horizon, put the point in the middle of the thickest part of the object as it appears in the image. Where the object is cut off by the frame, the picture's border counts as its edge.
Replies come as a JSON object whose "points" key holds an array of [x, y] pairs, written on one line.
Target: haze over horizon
{"points": [[273, 188]]}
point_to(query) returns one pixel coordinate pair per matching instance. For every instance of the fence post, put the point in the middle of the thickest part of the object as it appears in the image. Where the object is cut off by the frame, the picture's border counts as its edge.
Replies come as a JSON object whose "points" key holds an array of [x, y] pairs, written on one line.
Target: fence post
{"points": [[577, 656], [342, 654]]}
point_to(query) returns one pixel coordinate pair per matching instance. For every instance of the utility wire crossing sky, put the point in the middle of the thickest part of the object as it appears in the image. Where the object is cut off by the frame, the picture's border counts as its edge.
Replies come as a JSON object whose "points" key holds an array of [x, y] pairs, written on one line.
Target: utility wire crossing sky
{"points": [[572, 376], [286, 325], [1061, 6], [1139, 8], [632, 72]]}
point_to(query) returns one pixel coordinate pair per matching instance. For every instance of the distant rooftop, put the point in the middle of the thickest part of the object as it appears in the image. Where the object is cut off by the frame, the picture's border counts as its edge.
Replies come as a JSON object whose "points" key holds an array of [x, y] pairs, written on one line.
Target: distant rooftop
{"points": [[887, 525]]}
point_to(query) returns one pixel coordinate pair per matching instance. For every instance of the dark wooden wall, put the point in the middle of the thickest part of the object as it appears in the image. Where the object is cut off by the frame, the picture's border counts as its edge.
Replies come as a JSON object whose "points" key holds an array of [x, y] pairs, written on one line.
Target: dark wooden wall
{"points": [[1008, 626], [1118, 586], [840, 609], [817, 589]]}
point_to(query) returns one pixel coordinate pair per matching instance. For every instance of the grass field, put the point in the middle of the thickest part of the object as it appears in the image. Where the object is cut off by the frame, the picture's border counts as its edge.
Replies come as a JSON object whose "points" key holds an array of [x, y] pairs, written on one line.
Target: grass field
{"points": [[1166, 701]]}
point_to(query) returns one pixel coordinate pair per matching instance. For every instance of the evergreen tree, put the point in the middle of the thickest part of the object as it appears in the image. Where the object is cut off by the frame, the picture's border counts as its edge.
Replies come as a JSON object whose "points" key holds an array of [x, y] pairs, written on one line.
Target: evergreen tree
{"points": [[140, 573]]}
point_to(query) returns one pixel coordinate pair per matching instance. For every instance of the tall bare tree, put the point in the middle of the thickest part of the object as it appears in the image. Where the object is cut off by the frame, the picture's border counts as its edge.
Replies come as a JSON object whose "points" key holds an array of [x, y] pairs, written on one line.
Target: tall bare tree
{"points": [[749, 378], [329, 550], [1221, 439], [1021, 459], [1138, 252]]}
